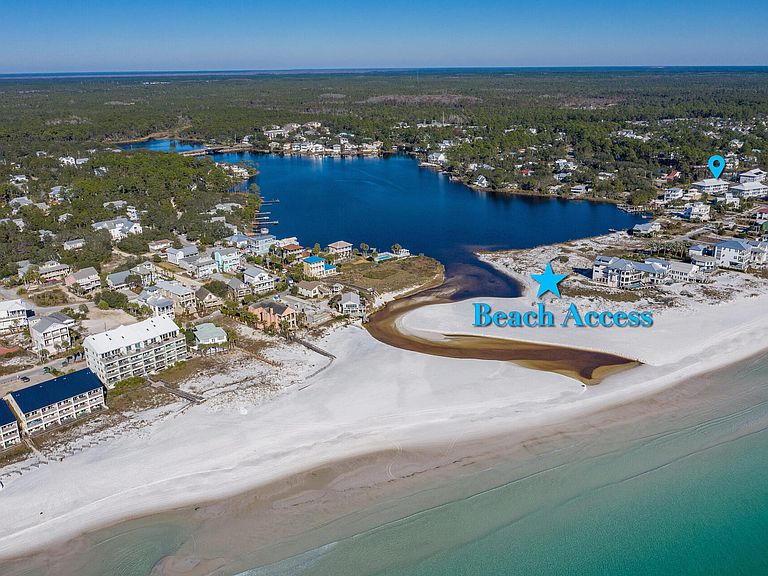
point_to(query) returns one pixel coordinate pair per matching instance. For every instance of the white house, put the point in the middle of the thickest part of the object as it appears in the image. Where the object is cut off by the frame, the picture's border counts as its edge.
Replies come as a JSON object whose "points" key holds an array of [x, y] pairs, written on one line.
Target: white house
{"points": [[673, 194], [176, 255], [48, 334], [740, 254], [697, 211], [13, 315], [341, 249], [75, 244], [350, 305], [259, 279], [118, 228]]}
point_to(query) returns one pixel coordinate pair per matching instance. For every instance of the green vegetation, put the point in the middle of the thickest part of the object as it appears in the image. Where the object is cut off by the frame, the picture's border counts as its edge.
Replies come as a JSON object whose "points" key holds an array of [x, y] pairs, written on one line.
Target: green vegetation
{"points": [[54, 297], [391, 275]]}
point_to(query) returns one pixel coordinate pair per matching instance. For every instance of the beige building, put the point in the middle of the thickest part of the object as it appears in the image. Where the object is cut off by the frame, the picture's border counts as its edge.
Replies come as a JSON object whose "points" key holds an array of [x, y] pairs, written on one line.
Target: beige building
{"points": [[135, 350]]}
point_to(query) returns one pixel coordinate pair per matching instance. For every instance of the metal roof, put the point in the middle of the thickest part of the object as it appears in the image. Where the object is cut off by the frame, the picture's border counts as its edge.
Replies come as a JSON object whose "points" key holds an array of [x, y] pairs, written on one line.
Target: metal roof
{"points": [[56, 390]]}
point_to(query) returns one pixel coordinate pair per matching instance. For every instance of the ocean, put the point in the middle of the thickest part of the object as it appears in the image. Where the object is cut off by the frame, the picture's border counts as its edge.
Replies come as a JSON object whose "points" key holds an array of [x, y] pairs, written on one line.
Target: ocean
{"points": [[674, 491]]}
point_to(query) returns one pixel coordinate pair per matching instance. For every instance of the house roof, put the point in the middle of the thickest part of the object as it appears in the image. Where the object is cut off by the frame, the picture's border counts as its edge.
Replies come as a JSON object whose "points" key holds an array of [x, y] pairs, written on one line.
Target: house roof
{"points": [[236, 283], [6, 416], [118, 277], [313, 259], [339, 245], [9, 305], [276, 307], [85, 273], [209, 331], [43, 324], [123, 336], [56, 390], [254, 271], [350, 298], [202, 293], [61, 318], [307, 285]]}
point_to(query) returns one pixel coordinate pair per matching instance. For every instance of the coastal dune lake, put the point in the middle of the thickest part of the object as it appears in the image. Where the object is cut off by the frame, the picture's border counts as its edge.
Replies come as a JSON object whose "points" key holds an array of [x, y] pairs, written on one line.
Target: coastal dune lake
{"points": [[383, 201]]}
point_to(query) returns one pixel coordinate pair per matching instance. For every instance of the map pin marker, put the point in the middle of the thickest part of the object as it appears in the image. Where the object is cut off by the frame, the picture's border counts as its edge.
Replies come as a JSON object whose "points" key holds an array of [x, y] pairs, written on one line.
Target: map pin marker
{"points": [[716, 165]]}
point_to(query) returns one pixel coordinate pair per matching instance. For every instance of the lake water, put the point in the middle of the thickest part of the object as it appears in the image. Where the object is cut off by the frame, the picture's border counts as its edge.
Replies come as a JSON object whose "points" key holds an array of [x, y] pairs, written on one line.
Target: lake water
{"points": [[383, 201]]}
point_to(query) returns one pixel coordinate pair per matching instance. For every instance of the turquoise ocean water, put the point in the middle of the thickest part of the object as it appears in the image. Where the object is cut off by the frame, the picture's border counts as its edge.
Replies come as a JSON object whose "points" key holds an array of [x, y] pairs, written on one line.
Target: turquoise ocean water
{"points": [[674, 493]]}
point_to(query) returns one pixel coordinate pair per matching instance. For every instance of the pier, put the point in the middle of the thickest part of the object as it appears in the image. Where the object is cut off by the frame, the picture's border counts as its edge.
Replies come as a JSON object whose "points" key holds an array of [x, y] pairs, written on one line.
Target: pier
{"points": [[218, 150]]}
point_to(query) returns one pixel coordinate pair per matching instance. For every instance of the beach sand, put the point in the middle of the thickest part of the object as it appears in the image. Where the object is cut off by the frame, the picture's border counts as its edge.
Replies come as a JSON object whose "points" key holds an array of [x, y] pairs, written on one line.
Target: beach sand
{"points": [[375, 402]]}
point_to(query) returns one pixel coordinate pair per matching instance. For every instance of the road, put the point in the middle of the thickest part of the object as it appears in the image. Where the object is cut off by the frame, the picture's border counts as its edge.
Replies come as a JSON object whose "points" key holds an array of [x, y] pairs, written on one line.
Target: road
{"points": [[35, 374]]}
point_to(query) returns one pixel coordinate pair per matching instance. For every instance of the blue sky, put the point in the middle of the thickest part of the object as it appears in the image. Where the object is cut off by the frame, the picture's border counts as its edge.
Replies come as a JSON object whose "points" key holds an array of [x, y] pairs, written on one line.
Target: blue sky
{"points": [[77, 36]]}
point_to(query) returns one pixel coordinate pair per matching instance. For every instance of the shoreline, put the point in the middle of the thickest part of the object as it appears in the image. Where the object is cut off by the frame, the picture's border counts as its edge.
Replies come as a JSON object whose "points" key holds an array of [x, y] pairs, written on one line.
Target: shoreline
{"points": [[485, 399], [385, 480]]}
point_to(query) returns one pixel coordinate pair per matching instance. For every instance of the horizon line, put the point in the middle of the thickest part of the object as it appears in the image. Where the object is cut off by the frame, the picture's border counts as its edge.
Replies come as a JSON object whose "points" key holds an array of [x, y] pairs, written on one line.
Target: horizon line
{"points": [[255, 71]]}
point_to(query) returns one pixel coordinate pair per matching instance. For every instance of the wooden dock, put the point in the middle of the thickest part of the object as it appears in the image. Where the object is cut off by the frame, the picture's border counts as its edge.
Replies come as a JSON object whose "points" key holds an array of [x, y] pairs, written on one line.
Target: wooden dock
{"points": [[217, 150]]}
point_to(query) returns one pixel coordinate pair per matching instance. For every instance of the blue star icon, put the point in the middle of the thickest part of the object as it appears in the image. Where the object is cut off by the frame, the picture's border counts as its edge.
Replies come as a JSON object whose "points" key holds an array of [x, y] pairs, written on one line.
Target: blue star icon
{"points": [[548, 281]]}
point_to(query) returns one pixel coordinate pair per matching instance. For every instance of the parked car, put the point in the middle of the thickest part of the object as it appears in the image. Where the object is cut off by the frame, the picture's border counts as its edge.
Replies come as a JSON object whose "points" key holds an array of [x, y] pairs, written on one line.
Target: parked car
{"points": [[24, 378]]}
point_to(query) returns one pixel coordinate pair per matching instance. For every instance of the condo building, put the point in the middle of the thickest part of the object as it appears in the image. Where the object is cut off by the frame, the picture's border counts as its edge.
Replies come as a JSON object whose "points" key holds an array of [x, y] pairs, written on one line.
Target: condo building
{"points": [[57, 401], [135, 350], [9, 427]]}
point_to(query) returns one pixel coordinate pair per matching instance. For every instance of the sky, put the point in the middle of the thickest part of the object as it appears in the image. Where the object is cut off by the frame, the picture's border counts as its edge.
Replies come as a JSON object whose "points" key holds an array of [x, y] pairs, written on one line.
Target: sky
{"points": [[141, 35]]}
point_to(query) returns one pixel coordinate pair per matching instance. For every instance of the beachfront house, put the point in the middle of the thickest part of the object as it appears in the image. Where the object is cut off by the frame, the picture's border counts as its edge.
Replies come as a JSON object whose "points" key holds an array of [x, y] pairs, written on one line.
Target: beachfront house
{"points": [[274, 315], [13, 315], [316, 267], [57, 401], [49, 335], [741, 254], [208, 334], [341, 250], [135, 350], [615, 272], [350, 304]]}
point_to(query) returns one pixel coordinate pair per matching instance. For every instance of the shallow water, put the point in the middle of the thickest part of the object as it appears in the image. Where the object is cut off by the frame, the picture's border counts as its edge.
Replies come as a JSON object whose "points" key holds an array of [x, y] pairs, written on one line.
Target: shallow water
{"points": [[670, 493]]}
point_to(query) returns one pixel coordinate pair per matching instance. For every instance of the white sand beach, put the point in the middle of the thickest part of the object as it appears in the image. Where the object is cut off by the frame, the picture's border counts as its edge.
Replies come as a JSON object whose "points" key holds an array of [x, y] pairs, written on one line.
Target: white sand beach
{"points": [[372, 397]]}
